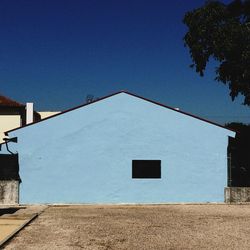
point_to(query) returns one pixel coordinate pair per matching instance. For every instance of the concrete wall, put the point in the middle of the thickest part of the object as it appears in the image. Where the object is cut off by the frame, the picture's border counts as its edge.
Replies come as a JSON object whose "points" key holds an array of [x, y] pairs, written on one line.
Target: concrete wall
{"points": [[86, 155], [9, 192], [8, 122], [237, 194]]}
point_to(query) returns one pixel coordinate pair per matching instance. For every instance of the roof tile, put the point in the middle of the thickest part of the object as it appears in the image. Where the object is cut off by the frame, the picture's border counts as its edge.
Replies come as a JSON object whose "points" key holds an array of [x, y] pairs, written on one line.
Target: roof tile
{"points": [[7, 102]]}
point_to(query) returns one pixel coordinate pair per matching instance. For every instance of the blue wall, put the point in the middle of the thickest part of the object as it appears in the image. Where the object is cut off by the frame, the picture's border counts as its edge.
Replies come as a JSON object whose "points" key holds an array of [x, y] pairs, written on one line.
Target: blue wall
{"points": [[86, 155]]}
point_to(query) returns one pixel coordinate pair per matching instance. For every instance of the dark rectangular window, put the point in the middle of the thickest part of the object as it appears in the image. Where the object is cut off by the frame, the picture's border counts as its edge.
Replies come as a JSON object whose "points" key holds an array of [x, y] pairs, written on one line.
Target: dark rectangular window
{"points": [[146, 169]]}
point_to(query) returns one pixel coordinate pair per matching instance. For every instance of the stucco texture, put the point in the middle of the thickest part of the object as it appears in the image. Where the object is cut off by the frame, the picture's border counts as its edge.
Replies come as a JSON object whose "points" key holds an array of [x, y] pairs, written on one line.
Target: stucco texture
{"points": [[85, 155]]}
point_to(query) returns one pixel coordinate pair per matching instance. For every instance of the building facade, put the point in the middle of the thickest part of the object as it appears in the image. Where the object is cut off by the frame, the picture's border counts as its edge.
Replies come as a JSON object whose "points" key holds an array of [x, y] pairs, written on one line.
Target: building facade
{"points": [[122, 149], [13, 115]]}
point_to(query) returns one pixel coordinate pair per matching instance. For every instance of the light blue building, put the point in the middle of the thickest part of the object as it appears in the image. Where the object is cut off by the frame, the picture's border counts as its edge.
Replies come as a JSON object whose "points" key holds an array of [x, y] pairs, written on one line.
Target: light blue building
{"points": [[122, 149]]}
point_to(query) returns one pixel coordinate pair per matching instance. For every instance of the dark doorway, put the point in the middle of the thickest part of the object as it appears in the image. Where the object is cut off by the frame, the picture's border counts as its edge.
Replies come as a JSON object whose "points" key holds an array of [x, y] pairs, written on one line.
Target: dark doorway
{"points": [[9, 167], [239, 156]]}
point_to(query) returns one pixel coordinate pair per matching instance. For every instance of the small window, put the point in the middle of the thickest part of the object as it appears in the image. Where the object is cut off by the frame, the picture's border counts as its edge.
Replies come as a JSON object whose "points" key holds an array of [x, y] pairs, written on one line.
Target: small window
{"points": [[146, 169]]}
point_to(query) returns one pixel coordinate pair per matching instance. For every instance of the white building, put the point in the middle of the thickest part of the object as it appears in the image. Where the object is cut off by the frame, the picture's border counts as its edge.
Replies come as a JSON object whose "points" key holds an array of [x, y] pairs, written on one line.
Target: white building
{"points": [[14, 114]]}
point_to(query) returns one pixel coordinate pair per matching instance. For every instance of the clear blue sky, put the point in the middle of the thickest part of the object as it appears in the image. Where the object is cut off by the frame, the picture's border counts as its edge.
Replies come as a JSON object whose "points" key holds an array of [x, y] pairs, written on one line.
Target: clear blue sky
{"points": [[55, 52]]}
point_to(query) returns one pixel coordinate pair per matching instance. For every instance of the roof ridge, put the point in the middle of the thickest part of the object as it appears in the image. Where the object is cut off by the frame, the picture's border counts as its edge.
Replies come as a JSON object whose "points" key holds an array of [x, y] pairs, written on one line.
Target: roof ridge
{"points": [[128, 93]]}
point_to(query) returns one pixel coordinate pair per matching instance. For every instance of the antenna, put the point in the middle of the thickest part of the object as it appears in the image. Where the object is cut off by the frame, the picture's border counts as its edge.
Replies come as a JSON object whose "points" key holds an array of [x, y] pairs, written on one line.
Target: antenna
{"points": [[89, 98]]}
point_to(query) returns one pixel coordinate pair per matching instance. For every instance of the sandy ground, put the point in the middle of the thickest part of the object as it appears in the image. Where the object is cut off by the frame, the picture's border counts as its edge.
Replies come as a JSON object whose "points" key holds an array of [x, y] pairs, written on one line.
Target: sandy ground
{"points": [[138, 227]]}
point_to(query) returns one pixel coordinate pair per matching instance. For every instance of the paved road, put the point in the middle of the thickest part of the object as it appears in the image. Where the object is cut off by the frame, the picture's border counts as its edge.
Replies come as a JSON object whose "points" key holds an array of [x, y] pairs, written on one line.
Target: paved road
{"points": [[138, 227]]}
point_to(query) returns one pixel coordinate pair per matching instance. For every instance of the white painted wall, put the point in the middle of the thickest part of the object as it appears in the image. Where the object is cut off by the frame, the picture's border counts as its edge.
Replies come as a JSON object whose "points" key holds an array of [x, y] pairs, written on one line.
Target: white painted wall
{"points": [[8, 122], [45, 114]]}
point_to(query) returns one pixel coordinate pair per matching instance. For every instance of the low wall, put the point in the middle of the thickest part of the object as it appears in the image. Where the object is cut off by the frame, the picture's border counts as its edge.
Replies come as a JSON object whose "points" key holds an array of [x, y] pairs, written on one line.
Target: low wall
{"points": [[9, 192], [237, 194]]}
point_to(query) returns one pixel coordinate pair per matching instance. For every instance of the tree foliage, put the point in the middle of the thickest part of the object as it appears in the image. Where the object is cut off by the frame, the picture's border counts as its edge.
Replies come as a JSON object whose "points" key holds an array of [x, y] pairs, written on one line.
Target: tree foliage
{"points": [[222, 32]]}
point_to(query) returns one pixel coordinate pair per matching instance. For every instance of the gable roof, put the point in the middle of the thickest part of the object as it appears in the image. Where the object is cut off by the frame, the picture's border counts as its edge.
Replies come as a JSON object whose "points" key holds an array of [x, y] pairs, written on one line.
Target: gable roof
{"points": [[7, 102], [128, 93]]}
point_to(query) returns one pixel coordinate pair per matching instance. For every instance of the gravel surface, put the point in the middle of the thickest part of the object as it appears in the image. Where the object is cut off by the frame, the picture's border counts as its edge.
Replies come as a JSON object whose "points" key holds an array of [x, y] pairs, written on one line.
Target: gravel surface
{"points": [[138, 227]]}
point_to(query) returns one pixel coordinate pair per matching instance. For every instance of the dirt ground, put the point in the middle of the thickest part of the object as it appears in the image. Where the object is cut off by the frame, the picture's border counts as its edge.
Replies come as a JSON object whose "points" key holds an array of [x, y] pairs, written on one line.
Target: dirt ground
{"points": [[138, 227]]}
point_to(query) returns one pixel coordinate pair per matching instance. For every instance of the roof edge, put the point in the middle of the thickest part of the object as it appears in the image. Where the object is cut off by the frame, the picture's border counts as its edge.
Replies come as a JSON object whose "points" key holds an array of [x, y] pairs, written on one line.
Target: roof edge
{"points": [[8, 102], [126, 92], [180, 111]]}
